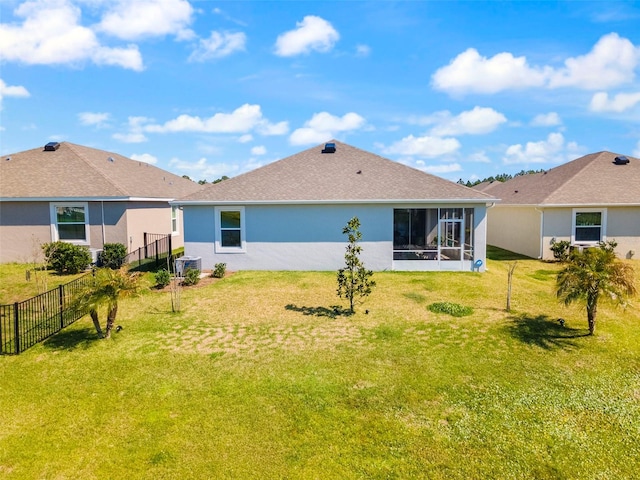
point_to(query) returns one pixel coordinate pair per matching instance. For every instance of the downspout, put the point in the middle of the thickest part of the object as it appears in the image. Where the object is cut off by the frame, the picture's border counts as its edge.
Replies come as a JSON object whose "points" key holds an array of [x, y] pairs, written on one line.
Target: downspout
{"points": [[104, 237], [541, 231]]}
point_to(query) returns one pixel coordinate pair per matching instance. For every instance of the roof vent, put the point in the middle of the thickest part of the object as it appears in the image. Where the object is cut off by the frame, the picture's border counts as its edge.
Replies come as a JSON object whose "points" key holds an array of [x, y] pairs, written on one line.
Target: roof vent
{"points": [[51, 147], [329, 148], [111, 159], [621, 160]]}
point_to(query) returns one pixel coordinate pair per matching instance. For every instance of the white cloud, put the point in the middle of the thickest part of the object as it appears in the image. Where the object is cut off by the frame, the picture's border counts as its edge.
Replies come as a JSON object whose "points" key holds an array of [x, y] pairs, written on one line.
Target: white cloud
{"points": [[218, 45], [258, 150], [611, 62], [479, 157], [324, 126], [426, 146], [550, 119], [552, 150], [472, 122], [145, 158], [621, 102], [471, 73], [203, 170], [133, 20], [94, 118], [441, 169], [132, 137], [313, 33], [51, 35], [363, 50], [245, 138], [271, 129], [242, 120], [12, 91]]}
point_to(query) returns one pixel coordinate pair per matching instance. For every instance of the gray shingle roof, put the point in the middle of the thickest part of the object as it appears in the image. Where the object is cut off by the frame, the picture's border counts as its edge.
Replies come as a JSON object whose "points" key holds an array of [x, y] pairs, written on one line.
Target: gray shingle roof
{"points": [[590, 180], [75, 171], [348, 175]]}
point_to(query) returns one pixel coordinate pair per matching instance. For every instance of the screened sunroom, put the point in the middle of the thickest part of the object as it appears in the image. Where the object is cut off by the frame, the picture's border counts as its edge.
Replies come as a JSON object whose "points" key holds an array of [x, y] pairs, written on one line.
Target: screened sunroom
{"points": [[439, 235]]}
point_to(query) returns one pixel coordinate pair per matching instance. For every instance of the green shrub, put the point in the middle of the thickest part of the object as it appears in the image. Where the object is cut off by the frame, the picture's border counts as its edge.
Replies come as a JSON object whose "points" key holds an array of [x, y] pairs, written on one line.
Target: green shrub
{"points": [[66, 258], [163, 278], [112, 255], [453, 309], [561, 250], [191, 276], [219, 270]]}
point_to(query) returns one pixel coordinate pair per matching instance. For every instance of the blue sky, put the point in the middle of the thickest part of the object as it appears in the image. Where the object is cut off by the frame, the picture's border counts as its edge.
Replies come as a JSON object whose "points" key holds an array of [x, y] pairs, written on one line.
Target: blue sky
{"points": [[206, 88]]}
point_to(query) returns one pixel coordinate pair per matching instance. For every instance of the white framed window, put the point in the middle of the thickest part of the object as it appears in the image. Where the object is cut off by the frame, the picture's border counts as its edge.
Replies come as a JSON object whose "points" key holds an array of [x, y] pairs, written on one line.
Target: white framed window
{"points": [[589, 226], [230, 230], [70, 222], [174, 220]]}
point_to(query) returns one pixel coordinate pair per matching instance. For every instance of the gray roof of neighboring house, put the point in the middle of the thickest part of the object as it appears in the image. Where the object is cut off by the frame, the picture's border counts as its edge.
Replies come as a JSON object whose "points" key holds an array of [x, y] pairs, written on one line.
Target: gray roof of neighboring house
{"points": [[348, 175], [594, 179], [77, 172]]}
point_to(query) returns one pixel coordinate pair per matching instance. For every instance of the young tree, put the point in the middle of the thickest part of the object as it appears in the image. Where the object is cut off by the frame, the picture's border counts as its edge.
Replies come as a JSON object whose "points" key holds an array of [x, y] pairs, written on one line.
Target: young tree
{"points": [[354, 281], [106, 288], [592, 274]]}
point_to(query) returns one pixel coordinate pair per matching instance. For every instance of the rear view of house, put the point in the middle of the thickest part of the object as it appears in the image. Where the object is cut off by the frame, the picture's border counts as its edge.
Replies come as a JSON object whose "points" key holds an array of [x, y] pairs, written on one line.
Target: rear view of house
{"points": [[591, 199], [84, 196], [289, 215]]}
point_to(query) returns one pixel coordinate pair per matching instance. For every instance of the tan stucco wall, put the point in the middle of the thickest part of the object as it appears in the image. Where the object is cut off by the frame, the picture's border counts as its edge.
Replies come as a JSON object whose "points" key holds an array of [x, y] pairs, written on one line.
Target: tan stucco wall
{"points": [[151, 218], [25, 226], [516, 229]]}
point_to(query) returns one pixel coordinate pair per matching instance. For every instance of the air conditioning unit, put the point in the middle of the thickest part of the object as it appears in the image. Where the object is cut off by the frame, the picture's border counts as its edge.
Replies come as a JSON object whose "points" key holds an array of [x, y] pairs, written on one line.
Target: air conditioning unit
{"points": [[95, 255], [185, 263]]}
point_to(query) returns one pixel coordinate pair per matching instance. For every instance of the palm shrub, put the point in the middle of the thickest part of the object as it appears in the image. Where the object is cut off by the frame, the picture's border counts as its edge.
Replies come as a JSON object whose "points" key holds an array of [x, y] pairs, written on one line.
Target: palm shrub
{"points": [[105, 289], [66, 258], [593, 274]]}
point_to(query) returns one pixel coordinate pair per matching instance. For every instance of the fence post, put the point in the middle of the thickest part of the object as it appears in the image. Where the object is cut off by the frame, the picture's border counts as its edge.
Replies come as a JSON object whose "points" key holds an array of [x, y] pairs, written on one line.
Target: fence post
{"points": [[61, 295], [16, 327], [144, 242], [157, 261]]}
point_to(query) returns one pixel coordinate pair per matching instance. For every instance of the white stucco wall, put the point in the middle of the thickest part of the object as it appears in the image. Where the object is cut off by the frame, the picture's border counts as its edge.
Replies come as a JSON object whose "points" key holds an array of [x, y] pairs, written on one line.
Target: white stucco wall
{"points": [[309, 237]]}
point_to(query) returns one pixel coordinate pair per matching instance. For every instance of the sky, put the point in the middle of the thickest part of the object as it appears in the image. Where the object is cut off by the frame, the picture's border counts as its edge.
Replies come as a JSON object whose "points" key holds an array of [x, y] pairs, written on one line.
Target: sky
{"points": [[462, 90]]}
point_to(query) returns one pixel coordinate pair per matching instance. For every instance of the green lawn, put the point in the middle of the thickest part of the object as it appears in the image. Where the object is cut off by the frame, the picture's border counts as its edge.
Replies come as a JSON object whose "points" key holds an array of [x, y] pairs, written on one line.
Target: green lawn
{"points": [[258, 377]]}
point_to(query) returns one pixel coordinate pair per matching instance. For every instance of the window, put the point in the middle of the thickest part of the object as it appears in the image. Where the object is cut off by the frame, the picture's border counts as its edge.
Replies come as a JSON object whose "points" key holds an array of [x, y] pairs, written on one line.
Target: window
{"points": [[174, 219], [70, 222], [230, 229], [589, 226]]}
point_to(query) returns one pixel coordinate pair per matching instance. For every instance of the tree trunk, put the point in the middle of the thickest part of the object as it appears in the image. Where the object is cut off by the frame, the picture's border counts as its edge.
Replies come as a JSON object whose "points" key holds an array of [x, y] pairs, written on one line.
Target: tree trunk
{"points": [[96, 322], [591, 317], [111, 319]]}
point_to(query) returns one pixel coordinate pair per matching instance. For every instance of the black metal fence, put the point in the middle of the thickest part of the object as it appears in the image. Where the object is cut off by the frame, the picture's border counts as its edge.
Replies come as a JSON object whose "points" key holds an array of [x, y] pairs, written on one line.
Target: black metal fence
{"points": [[23, 324], [157, 249]]}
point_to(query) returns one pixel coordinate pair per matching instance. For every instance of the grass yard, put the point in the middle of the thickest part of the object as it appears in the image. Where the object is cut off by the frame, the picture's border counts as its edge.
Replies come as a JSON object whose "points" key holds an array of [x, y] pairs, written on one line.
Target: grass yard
{"points": [[258, 377]]}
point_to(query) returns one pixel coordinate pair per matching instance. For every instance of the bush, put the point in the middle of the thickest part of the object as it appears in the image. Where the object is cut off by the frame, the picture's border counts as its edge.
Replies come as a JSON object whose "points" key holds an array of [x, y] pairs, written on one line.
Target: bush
{"points": [[219, 270], [112, 255], [66, 258], [451, 308], [191, 277], [163, 278], [561, 250]]}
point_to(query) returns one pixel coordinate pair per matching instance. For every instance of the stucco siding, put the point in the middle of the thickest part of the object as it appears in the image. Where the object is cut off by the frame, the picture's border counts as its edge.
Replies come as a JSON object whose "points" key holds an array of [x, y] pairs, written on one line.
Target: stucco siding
{"points": [[304, 237], [149, 217], [516, 229], [623, 226], [24, 226]]}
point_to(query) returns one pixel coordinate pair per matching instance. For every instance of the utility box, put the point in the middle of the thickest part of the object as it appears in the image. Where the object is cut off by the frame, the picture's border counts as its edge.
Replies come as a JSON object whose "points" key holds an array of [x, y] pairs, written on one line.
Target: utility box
{"points": [[185, 263]]}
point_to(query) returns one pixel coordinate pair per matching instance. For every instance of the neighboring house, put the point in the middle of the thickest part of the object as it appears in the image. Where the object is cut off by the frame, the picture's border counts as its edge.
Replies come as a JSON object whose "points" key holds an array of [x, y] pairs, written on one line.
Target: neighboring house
{"points": [[289, 215], [84, 196], [591, 199]]}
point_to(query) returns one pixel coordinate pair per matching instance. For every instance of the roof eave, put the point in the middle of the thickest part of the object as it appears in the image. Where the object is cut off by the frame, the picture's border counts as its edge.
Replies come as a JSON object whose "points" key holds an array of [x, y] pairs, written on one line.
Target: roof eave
{"points": [[85, 199], [333, 202]]}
